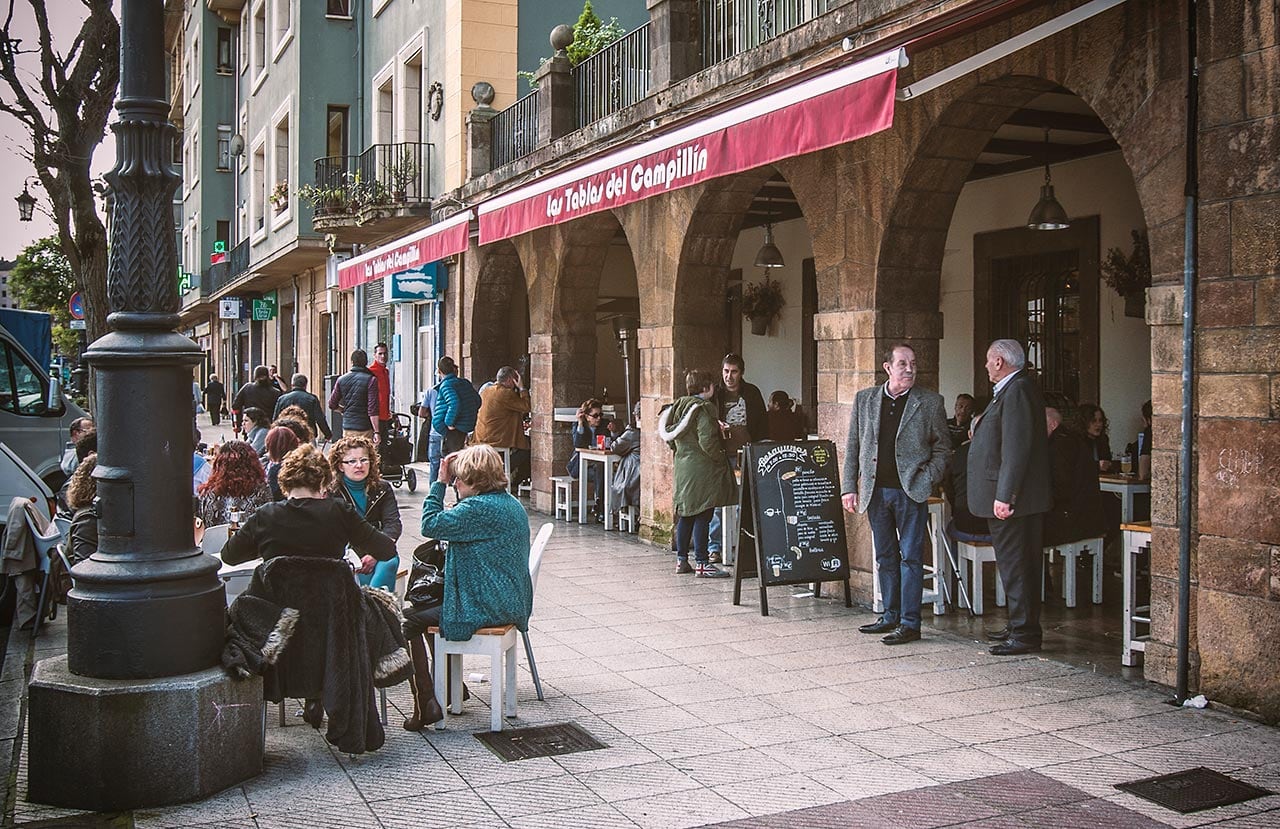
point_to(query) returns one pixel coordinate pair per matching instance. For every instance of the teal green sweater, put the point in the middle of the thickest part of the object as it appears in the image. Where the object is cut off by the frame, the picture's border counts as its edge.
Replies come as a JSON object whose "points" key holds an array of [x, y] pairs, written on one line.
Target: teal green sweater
{"points": [[486, 571]]}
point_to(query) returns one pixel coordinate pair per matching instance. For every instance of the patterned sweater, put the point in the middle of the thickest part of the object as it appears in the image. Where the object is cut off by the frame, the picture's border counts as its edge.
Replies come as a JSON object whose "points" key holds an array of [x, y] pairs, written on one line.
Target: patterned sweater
{"points": [[486, 572]]}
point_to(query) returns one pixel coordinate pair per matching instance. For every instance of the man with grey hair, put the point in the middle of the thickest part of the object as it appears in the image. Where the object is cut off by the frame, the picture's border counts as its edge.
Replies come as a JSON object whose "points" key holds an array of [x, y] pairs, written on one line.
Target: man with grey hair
{"points": [[500, 423], [308, 402], [1008, 482]]}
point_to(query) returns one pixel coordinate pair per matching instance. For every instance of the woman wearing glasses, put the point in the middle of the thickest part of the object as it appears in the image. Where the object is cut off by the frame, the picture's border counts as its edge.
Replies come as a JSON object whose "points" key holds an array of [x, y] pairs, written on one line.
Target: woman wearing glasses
{"points": [[585, 431], [356, 482]]}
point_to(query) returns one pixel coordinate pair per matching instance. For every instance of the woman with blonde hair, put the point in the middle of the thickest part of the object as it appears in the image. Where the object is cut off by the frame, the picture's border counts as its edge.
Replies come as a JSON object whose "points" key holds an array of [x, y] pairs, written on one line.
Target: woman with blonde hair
{"points": [[356, 482], [486, 571], [81, 494]]}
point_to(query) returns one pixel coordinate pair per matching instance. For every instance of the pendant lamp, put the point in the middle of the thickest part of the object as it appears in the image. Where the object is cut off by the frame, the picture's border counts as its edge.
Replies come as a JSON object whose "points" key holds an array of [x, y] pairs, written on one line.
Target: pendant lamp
{"points": [[769, 256], [1048, 213]]}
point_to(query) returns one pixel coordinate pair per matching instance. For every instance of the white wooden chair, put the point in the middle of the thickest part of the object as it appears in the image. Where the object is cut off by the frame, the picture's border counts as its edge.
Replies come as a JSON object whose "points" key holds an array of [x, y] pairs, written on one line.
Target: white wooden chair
{"points": [[566, 496], [1070, 552], [497, 643], [977, 554]]}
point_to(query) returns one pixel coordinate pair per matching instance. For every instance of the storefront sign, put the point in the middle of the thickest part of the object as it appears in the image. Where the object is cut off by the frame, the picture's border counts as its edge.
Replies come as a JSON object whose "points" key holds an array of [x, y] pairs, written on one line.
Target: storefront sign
{"points": [[837, 107], [416, 284], [229, 309], [431, 244]]}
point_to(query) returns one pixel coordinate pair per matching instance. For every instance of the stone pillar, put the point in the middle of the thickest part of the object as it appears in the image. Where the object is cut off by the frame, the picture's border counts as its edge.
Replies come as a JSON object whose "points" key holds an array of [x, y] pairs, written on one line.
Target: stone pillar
{"points": [[557, 98], [562, 373], [480, 131], [139, 712], [674, 49]]}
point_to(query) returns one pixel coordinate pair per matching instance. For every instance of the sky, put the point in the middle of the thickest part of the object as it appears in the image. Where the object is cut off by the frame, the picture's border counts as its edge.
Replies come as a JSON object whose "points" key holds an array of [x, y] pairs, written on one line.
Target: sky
{"points": [[65, 18]]}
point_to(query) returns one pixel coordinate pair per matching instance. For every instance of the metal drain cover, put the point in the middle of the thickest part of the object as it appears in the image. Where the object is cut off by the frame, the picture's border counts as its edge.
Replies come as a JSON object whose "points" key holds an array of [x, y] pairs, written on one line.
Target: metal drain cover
{"points": [[1193, 790], [539, 741]]}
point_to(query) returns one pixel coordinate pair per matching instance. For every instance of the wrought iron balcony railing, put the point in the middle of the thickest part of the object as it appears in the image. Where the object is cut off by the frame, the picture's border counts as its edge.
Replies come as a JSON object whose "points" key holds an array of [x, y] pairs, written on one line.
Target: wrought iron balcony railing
{"points": [[384, 175], [615, 77], [731, 27], [514, 131], [227, 271]]}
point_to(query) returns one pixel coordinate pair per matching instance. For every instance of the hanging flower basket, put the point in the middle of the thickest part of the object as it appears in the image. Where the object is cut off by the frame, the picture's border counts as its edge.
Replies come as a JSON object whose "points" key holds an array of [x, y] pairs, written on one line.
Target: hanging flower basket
{"points": [[762, 302], [1130, 275]]}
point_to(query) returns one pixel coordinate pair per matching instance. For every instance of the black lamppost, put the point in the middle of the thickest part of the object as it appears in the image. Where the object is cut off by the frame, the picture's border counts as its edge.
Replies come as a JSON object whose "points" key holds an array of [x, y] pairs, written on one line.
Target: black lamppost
{"points": [[26, 202], [146, 615]]}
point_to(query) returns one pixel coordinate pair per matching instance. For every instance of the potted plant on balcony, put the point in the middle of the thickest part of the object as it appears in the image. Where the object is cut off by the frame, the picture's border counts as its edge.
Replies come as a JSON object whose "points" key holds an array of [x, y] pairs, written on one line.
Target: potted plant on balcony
{"points": [[403, 173], [762, 302], [280, 196]]}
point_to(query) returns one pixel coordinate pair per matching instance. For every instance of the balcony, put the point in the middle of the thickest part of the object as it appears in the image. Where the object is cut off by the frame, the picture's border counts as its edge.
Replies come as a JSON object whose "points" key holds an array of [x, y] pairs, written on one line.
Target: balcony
{"points": [[615, 77], [229, 270], [365, 197], [731, 27], [198, 289], [515, 131], [228, 10]]}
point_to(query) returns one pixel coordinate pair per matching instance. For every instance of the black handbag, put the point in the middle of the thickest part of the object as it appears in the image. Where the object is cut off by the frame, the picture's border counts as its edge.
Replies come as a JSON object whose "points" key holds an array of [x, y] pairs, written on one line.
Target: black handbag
{"points": [[426, 576]]}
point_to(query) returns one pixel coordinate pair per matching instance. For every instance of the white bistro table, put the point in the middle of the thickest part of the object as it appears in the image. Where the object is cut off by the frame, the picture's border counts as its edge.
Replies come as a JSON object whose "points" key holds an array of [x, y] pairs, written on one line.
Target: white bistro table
{"points": [[607, 460], [1126, 486]]}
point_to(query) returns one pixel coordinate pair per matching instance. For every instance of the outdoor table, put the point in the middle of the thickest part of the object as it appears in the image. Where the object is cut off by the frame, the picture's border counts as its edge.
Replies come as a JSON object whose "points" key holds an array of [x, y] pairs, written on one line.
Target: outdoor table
{"points": [[938, 572], [1126, 486], [1137, 540], [607, 460]]}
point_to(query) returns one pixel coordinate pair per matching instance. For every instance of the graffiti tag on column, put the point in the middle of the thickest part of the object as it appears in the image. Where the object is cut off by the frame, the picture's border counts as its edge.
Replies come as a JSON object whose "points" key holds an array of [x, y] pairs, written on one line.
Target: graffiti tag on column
{"points": [[1236, 463]]}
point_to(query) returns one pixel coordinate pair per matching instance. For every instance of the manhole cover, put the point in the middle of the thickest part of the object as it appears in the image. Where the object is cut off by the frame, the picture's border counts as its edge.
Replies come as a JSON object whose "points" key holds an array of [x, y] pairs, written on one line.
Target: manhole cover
{"points": [[1193, 790], [539, 741]]}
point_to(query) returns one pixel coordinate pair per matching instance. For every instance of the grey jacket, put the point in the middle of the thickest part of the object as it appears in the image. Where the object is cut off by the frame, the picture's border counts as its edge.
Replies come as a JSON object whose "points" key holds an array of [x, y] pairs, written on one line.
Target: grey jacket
{"points": [[1009, 455], [922, 447]]}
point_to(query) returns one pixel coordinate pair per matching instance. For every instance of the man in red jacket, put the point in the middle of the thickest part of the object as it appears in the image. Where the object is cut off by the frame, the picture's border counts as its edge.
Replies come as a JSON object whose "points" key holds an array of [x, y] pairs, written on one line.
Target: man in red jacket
{"points": [[383, 376]]}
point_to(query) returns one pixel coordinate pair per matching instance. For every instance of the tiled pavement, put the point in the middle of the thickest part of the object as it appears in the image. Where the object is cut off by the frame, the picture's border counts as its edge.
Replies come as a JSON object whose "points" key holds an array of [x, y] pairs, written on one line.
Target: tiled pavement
{"points": [[716, 715]]}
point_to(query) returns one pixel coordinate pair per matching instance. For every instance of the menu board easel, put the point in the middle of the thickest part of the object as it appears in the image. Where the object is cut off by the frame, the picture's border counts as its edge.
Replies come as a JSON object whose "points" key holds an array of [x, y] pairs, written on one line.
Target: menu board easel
{"points": [[791, 527]]}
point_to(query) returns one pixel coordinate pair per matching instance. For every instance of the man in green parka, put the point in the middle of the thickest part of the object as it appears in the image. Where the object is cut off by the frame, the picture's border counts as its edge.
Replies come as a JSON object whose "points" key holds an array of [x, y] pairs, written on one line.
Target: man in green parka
{"points": [[703, 479]]}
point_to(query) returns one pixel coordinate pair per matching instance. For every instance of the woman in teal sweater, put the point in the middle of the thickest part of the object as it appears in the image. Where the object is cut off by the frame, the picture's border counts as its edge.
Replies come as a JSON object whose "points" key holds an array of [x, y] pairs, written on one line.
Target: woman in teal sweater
{"points": [[486, 569]]}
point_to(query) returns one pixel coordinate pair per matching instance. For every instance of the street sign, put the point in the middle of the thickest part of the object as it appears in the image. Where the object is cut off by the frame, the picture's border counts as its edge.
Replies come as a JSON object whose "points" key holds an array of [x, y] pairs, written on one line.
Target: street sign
{"points": [[75, 306], [263, 310], [416, 284], [79, 325], [229, 309]]}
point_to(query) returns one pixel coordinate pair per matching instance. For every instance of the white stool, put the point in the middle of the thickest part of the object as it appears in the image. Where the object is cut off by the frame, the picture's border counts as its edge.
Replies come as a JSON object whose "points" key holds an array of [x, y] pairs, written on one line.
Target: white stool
{"points": [[566, 496], [977, 554], [497, 643], [1070, 552], [629, 519]]}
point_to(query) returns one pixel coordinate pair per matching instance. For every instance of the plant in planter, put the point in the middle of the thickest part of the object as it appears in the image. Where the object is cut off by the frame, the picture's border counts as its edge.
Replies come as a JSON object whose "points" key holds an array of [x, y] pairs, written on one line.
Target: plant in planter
{"points": [[280, 196], [1130, 275], [762, 302], [403, 173]]}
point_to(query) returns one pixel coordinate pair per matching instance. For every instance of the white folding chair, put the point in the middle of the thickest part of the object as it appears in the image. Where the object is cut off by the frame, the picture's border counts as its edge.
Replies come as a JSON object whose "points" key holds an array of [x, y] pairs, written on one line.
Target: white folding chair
{"points": [[535, 564], [46, 544]]}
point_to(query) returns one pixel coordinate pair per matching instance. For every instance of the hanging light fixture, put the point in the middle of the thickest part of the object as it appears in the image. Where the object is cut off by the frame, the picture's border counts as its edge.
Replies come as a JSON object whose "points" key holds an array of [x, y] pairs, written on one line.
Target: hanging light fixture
{"points": [[26, 203], [769, 256], [1048, 213]]}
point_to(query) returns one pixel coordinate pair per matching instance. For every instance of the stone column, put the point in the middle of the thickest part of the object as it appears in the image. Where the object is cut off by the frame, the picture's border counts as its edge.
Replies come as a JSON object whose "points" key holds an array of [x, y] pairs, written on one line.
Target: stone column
{"points": [[480, 131], [557, 98], [139, 712], [674, 49]]}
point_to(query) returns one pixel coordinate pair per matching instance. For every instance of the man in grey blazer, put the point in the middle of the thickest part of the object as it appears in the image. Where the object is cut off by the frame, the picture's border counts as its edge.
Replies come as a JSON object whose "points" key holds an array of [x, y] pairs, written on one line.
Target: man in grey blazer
{"points": [[896, 451], [1008, 478]]}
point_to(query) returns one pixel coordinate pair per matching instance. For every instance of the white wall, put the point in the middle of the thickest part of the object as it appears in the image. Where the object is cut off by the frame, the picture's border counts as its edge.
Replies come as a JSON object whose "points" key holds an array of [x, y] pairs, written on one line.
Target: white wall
{"points": [[774, 361], [1102, 186]]}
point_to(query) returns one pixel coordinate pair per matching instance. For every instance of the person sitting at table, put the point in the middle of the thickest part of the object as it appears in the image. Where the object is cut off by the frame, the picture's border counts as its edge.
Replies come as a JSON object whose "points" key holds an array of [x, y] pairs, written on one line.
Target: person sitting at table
{"points": [[82, 493], [785, 421], [958, 425], [308, 524], [256, 424], [626, 478], [354, 462], [486, 571], [586, 430], [1077, 511], [295, 419], [281, 440], [238, 484], [1091, 424]]}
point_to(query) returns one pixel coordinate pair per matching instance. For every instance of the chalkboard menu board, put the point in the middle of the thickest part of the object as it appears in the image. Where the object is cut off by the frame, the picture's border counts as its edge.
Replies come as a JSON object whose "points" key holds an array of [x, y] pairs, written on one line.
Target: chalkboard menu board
{"points": [[791, 527]]}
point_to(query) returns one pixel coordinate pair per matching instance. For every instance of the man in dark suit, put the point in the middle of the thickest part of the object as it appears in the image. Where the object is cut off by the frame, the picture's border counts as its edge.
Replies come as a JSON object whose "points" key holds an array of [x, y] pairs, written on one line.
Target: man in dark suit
{"points": [[1008, 476], [896, 451]]}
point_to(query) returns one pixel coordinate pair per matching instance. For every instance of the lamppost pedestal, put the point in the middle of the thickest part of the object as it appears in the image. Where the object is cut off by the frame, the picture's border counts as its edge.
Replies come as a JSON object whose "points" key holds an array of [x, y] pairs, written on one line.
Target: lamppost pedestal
{"points": [[114, 744]]}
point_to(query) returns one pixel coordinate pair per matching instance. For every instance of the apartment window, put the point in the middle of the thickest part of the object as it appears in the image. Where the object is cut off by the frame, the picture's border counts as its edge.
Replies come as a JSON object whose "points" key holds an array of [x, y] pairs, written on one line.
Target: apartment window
{"points": [[225, 66], [223, 233], [281, 191], [245, 39], [283, 22], [259, 27], [385, 112], [338, 8], [336, 131], [224, 147], [258, 187], [194, 74]]}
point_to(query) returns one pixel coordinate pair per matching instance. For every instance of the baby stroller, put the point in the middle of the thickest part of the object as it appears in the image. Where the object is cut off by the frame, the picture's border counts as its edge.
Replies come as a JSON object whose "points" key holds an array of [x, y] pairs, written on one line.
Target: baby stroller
{"points": [[395, 452]]}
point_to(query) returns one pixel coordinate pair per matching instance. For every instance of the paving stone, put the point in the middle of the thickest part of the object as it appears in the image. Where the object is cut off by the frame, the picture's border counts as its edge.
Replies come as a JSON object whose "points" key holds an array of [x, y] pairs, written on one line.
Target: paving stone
{"points": [[957, 764], [821, 753], [979, 728], [777, 794], [617, 784], [870, 779], [651, 720], [690, 742], [929, 807], [667, 812], [1035, 750], [901, 741], [229, 805], [779, 729], [731, 766], [544, 794], [460, 808], [1096, 776], [600, 816]]}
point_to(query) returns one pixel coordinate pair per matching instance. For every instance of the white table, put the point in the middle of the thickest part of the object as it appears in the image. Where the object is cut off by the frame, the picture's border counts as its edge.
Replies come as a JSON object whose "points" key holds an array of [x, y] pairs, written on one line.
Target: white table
{"points": [[1126, 486], [607, 460], [938, 572], [1137, 540]]}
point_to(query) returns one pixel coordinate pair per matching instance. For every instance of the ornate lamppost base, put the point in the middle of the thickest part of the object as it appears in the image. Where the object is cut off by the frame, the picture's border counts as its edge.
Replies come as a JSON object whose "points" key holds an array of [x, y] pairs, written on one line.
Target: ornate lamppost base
{"points": [[112, 744]]}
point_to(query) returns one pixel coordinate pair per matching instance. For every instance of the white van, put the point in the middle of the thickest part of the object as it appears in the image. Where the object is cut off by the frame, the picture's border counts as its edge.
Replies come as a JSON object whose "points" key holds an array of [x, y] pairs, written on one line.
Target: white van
{"points": [[35, 417]]}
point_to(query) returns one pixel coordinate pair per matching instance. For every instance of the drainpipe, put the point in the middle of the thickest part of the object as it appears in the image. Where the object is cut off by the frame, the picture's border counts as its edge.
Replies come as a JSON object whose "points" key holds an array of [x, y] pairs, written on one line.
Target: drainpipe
{"points": [[1190, 254], [297, 303]]}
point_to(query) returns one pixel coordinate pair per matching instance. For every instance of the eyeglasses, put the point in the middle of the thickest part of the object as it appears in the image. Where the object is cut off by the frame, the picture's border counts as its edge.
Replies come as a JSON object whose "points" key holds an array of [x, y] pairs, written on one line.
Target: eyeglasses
{"points": [[355, 461], [593, 414]]}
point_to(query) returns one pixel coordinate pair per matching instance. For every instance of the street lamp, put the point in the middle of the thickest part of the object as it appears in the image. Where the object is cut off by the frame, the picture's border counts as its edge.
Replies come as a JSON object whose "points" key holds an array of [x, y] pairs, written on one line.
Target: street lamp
{"points": [[26, 202]]}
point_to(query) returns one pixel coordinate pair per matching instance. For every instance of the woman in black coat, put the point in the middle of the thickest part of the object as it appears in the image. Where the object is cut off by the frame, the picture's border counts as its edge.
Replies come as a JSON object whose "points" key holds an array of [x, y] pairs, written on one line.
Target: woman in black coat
{"points": [[215, 396]]}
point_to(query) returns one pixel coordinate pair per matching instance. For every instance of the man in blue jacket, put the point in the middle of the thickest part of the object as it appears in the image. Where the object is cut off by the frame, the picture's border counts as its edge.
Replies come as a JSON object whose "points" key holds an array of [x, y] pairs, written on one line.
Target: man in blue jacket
{"points": [[457, 403]]}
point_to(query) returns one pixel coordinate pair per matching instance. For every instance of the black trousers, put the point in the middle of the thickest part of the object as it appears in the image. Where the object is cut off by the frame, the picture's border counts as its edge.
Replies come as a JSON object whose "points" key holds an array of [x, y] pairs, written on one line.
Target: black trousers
{"points": [[1019, 548]]}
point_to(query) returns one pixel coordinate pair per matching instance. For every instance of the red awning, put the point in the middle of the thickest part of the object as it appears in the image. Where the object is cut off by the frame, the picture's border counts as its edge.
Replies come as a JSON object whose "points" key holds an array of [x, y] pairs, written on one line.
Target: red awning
{"points": [[446, 238], [833, 108]]}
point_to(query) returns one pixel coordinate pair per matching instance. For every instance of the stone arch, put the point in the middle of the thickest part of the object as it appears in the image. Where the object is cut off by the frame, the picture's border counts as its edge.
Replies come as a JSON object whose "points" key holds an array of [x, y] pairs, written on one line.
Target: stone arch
{"points": [[499, 283]]}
